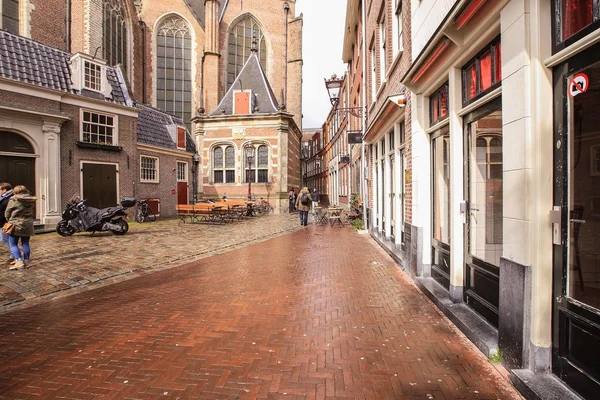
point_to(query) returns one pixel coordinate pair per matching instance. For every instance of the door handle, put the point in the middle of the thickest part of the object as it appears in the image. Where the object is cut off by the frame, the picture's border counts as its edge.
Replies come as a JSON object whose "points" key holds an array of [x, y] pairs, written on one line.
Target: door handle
{"points": [[555, 218], [474, 209], [577, 221]]}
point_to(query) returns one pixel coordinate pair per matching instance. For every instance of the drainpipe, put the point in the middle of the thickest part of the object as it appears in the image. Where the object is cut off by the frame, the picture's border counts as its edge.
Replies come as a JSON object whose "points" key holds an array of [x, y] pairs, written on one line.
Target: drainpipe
{"points": [[144, 73], [363, 189], [68, 27], [201, 109], [286, 7]]}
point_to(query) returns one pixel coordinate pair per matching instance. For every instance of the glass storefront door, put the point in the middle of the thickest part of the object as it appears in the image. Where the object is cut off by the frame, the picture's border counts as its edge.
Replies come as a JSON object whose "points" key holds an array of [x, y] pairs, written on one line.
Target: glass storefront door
{"points": [[440, 269], [576, 329], [484, 218]]}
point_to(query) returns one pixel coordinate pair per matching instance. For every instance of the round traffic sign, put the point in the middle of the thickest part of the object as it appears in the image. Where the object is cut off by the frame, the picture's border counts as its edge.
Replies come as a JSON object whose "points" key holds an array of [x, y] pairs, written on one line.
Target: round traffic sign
{"points": [[579, 84]]}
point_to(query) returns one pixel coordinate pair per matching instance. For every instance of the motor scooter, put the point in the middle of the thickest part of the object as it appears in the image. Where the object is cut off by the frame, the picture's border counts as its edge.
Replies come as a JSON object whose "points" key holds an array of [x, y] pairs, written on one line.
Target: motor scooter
{"points": [[78, 217]]}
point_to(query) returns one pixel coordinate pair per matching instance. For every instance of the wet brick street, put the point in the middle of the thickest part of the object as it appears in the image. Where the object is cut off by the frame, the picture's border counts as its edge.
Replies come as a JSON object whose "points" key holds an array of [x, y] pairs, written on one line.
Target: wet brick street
{"points": [[267, 310]]}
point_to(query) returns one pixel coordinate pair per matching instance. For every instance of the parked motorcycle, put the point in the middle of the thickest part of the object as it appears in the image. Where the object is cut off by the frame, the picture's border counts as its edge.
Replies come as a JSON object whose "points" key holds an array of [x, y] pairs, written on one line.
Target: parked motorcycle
{"points": [[78, 217]]}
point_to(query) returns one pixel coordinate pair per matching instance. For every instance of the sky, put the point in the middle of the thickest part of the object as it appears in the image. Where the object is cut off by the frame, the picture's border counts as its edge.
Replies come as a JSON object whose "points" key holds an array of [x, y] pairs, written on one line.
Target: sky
{"points": [[323, 35]]}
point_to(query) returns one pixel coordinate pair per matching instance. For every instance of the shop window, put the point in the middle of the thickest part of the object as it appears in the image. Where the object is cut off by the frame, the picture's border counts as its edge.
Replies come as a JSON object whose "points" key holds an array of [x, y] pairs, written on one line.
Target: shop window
{"points": [[573, 20], [483, 73], [438, 105]]}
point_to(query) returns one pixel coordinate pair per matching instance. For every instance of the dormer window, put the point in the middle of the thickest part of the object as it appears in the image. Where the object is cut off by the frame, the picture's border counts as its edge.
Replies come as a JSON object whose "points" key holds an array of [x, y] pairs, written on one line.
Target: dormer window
{"points": [[90, 74], [93, 76], [243, 102]]}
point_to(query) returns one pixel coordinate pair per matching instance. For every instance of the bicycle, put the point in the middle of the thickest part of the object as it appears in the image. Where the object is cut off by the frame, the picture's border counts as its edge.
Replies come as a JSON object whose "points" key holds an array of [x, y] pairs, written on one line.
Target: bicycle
{"points": [[263, 207], [144, 211]]}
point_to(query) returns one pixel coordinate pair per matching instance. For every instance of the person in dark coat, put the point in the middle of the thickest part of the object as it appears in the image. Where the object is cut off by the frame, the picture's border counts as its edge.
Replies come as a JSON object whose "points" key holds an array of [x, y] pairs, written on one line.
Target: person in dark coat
{"points": [[6, 193], [304, 207], [292, 200], [20, 212]]}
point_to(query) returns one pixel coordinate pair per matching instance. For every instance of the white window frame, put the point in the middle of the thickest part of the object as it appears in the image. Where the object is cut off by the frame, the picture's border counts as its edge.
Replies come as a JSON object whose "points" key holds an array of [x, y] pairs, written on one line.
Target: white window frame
{"points": [[382, 47], [86, 82], [184, 169], [224, 168], [115, 126], [397, 37], [156, 169], [373, 74]]}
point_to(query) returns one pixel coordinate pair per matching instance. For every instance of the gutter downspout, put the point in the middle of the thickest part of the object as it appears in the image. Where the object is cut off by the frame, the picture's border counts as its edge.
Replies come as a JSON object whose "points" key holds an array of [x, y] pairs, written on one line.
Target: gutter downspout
{"points": [[363, 189], [201, 109], [68, 27], [144, 73], [286, 7]]}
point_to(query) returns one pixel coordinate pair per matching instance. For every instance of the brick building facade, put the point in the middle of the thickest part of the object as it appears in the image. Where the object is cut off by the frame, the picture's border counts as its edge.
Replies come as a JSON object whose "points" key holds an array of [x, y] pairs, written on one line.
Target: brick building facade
{"points": [[178, 57]]}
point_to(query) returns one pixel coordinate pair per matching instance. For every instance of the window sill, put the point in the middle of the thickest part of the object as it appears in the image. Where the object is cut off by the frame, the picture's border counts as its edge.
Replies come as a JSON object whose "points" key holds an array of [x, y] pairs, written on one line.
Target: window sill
{"points": [[100, 146]]}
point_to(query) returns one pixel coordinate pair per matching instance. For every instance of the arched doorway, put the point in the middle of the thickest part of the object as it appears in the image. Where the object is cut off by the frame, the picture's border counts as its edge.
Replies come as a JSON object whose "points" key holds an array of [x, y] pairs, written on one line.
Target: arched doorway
{"points": [[17, 160]]}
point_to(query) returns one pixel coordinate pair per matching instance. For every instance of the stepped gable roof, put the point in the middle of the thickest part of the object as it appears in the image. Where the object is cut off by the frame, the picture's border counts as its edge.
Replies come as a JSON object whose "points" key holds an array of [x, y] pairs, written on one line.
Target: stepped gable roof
{"points": [[250, 77], [155, 128], [27, 61]]}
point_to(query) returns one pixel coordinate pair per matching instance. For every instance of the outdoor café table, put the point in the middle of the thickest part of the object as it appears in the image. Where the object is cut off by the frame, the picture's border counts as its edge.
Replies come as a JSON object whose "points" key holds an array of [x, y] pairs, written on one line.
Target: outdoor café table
{"points": [[320, 217], [335, 215]]}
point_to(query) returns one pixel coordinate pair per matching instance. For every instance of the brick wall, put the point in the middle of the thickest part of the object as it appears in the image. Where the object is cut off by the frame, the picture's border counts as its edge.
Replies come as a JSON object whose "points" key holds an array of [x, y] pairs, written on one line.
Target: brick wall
{"points": [[167, 175], [48, 22], [72, 156]]}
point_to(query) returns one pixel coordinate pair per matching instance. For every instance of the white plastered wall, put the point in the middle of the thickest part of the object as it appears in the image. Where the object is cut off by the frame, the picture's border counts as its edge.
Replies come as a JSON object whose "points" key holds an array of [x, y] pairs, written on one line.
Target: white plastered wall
{"points": [[527, 148], [421, 177]]}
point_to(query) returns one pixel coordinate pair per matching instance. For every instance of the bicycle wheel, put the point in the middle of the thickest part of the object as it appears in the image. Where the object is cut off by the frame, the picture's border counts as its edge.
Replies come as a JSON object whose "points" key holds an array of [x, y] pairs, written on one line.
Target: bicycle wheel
{"points": [[139, 214], [150, 214]]}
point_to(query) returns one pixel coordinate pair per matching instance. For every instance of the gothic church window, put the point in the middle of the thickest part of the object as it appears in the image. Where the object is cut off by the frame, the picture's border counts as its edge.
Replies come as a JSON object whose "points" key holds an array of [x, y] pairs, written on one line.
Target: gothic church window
{"points": [[115, 33], [241, 36], [258, 171], [174, 68], [224, 164], [10, 16]]}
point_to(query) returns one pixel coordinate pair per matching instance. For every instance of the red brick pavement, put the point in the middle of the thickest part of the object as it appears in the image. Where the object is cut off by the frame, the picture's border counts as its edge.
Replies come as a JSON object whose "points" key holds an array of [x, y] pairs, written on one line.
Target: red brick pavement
{"points": [[314, 314]]}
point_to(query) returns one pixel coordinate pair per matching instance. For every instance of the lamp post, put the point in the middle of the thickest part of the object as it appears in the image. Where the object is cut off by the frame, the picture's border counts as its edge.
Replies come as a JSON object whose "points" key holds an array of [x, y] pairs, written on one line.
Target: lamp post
{"points": [[333, 85], [196, 160], [249, 152]]}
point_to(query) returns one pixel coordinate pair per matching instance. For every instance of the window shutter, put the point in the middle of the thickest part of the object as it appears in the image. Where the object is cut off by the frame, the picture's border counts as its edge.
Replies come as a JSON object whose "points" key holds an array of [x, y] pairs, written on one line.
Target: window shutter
{"points": [[181, 137]]}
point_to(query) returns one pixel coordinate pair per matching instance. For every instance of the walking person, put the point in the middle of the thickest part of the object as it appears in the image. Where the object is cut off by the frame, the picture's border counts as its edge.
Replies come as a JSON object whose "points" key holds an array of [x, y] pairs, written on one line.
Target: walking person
{"points": [[292, 201], [303, 205], [6, 192], [19, 212], [315, 198]]}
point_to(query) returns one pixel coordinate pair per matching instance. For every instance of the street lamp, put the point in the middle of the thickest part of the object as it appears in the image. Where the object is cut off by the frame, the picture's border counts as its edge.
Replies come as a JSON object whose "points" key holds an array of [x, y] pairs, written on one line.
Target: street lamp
{"points": [[333, 85], [249, 152]]}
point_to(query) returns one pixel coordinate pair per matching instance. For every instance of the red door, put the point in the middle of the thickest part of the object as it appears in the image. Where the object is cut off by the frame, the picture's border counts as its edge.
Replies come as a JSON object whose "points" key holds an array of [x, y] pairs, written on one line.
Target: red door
{"points": [[182, 184]]}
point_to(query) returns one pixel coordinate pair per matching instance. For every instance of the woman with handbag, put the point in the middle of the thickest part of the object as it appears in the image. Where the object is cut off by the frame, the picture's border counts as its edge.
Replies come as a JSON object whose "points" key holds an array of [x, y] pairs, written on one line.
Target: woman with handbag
{"points": [[19, 213], [6, 193]]}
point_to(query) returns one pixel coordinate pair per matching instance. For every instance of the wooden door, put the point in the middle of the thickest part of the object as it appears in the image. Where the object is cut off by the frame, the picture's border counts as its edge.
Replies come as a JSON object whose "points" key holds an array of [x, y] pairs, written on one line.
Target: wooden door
{"points": [[99, 185]]}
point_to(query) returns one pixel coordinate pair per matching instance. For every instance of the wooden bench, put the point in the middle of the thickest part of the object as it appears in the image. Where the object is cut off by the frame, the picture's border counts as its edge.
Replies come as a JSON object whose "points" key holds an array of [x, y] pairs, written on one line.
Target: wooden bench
{"points": [[200, 212]]}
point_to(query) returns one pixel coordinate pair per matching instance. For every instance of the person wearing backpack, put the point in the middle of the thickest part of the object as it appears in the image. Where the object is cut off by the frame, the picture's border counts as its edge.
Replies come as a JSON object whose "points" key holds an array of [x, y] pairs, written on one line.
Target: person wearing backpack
{"points": [[303, 203]]}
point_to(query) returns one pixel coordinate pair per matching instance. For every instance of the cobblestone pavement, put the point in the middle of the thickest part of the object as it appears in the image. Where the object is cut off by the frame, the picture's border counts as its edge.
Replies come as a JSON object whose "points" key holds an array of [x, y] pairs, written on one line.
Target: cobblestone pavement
{"points": [[316, 313], [62, 266]]}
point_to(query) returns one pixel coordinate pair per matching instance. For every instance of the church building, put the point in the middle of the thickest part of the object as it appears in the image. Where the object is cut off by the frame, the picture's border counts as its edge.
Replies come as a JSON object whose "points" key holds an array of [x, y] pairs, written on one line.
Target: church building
{"points": [[226, 74]]}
